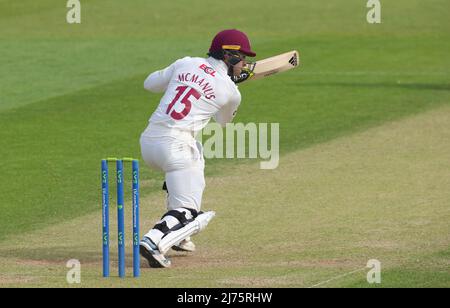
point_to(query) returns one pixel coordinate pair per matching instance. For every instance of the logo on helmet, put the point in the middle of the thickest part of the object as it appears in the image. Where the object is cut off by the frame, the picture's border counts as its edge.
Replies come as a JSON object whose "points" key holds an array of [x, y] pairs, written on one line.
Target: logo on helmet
{"points": [[208, 70]]}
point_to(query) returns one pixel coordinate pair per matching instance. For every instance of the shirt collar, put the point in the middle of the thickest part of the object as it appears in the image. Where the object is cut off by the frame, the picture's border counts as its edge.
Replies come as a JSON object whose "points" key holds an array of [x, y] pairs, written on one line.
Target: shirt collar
{"points": [[218, 65]]}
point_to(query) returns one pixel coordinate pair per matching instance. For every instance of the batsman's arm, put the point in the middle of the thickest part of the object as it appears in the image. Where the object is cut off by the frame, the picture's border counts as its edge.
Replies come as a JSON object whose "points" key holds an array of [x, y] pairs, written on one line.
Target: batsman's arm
{"points": [[227, 112], [158, 81]]}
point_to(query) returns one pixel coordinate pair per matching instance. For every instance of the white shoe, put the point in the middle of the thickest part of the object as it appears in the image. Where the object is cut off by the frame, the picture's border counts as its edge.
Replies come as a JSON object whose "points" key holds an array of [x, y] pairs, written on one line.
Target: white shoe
{"points": [[185, 245], [149, 250]]}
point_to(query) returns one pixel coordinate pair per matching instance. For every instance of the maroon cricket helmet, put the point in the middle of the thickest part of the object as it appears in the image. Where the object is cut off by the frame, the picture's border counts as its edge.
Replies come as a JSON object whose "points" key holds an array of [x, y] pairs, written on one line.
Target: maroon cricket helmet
{"points": [[232, 40]]}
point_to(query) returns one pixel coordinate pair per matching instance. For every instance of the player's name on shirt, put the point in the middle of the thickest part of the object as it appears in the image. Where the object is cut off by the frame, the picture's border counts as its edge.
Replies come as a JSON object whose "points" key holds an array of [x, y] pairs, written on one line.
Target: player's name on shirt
{"points": [[207, 89]]}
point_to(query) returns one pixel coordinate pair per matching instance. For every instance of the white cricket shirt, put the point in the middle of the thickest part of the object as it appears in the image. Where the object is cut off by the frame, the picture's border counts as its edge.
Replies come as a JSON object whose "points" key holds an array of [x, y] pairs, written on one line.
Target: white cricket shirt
{"points": [[196, 90]]}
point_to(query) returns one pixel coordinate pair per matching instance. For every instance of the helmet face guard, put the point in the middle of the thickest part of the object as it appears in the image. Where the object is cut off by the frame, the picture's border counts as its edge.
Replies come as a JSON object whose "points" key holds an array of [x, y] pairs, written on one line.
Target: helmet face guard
{"points": [[250, 66], [234, 57]]}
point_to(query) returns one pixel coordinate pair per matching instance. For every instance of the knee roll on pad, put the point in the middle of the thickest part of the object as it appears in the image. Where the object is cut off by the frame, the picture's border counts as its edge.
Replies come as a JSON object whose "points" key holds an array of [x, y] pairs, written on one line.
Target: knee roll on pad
{"points": [[175, 219]]}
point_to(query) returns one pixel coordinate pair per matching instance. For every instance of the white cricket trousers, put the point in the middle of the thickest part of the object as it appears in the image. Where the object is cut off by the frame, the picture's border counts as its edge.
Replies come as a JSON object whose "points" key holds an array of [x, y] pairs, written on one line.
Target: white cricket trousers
{"points": [[183, 164]]}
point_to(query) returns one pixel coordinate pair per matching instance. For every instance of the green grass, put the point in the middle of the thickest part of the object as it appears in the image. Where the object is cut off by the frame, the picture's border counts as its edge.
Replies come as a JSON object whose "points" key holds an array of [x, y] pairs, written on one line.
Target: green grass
{"points": [[330, 210], [72, 94], [408, 278]]}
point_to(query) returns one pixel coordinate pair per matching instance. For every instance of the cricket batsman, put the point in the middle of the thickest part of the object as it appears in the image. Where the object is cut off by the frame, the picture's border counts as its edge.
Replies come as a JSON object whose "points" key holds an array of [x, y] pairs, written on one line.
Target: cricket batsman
{"points": [[195, 90]]}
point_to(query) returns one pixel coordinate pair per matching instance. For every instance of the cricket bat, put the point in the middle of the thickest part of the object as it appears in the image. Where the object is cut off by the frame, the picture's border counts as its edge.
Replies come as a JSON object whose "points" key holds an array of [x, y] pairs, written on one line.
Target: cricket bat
{"points": [[274, 65]]}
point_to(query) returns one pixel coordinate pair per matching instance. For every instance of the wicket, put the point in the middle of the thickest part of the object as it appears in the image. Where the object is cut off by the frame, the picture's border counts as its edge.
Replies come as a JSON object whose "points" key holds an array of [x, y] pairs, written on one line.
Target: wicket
{"points": [[120, 215]]}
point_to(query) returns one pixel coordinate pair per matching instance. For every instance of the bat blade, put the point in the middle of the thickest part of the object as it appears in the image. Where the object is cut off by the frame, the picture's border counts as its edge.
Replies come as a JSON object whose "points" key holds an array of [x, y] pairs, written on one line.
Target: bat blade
{"points": [[275, 64]]}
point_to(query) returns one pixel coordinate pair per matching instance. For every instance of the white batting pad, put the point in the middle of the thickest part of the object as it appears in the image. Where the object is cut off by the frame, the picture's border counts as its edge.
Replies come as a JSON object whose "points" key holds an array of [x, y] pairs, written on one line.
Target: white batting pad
{"points": [[194, 227]]}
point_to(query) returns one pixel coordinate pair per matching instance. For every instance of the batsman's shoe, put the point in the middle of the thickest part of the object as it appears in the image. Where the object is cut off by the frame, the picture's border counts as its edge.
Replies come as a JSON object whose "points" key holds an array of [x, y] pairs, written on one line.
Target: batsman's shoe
{"points": [[150, 251], [185, 245]]}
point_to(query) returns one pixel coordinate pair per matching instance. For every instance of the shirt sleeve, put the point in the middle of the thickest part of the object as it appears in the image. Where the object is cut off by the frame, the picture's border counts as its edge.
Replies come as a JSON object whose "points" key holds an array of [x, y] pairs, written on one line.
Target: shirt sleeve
{"points": [[158, 81], [228, 111]]}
